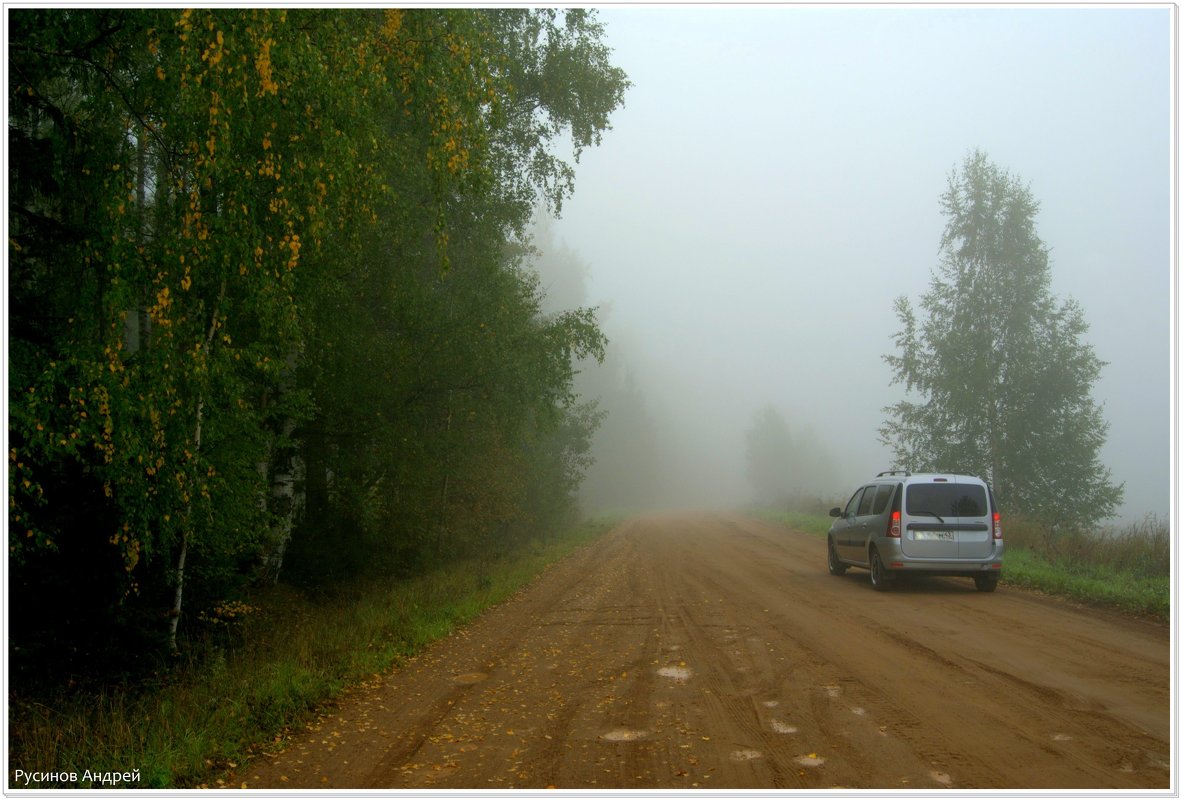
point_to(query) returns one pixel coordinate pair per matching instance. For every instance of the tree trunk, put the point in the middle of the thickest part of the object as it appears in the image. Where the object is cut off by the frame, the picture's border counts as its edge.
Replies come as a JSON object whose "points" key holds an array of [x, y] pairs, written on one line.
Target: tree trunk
{"points": [[443, 495], [994, 452], [281, 502], [174, 616]]}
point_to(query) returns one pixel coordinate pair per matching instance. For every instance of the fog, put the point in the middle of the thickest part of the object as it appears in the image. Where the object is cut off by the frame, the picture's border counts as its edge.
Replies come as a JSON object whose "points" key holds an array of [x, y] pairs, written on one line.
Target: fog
{"points": [[773, 185]]}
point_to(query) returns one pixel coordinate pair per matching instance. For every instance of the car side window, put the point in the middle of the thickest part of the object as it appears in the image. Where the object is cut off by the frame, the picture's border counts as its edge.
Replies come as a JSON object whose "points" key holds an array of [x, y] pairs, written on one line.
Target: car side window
{"points": [[882, 498], [867, 501], [851, 508]]}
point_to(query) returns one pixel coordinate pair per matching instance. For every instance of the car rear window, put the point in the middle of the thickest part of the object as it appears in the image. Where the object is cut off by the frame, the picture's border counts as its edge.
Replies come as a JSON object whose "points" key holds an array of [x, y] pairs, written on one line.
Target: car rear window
{"points": [[947, 500]]}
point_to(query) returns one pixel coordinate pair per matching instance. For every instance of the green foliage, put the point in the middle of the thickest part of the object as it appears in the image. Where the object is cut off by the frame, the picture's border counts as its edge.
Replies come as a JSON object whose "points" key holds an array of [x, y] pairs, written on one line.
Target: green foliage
{"points": [[559, 77], [438, 375], [258, 248], [1000, 365]]}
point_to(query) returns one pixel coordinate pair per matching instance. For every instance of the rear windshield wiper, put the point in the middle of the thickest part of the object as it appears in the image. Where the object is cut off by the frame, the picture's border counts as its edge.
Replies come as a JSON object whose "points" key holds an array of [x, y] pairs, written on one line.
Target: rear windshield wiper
{"points": [[925, 512]]}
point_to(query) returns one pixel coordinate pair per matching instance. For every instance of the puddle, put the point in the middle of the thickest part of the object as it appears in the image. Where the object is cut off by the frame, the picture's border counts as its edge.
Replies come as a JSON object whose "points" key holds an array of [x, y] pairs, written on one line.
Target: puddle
{"points": [[810, 761], [470, 678], [678, 673], [780, 727], [941, 777], [745, 755], [623, 735]]}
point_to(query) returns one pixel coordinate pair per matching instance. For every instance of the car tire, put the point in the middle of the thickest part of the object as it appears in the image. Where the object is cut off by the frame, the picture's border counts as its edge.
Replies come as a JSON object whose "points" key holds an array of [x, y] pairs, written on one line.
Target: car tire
{"points": [[880, 579], [986, 582], [836, 566]]}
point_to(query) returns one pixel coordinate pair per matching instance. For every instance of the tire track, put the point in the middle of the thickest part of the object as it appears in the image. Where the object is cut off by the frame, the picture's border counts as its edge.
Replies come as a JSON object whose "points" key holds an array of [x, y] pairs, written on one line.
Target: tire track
{"points": [[688, 652]]}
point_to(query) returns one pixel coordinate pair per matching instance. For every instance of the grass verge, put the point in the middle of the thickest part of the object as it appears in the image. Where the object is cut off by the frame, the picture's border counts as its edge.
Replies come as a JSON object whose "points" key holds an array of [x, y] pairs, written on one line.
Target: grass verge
{"points": [[1147, 596], [286, 655], [817, 525], [808, 522]]}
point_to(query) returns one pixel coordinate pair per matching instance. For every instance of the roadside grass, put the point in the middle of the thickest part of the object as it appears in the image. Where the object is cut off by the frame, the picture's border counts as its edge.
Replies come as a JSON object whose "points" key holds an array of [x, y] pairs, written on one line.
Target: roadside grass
{"points": [[1126, 569], [284, 656], [814, 524], [1095, 585]]}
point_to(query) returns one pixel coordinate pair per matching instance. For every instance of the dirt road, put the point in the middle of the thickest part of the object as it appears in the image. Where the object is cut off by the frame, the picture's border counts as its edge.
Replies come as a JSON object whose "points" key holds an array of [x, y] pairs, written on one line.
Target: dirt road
{"points": [[715, 652]]}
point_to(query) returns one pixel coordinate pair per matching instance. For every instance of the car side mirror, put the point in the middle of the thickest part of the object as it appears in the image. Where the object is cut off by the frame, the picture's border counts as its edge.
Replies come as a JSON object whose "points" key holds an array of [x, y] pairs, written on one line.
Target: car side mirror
{"points": [[835, 512]]}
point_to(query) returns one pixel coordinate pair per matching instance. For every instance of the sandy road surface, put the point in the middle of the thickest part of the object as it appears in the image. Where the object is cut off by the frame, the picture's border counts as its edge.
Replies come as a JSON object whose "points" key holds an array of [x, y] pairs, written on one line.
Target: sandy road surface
{"points": [[715, 652]]}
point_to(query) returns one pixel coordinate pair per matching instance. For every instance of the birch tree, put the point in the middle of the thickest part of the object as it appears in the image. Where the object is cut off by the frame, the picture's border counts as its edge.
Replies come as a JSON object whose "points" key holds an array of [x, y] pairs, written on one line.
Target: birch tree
{"points": [[252, 244], [999, 371]]}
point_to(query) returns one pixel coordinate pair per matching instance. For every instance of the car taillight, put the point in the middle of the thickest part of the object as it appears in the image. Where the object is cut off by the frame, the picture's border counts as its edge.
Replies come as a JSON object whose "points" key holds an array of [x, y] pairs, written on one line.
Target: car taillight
{"points": [[997, 525], [893, 529]]}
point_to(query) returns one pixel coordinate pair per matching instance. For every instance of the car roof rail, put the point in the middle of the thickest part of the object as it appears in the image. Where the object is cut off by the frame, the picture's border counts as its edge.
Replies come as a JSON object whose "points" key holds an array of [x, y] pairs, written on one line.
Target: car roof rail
{"points": [[893, 473]]}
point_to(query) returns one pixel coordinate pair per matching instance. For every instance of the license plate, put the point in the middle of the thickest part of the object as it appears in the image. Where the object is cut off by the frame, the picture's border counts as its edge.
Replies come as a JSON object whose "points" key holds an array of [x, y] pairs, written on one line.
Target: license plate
{"points": [[943, 536]]}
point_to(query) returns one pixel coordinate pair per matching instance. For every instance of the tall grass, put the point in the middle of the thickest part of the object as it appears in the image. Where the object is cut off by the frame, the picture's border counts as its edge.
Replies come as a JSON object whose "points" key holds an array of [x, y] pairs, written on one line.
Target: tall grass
{"points": [[1141, 548], [1125, 568], [289, 654]]}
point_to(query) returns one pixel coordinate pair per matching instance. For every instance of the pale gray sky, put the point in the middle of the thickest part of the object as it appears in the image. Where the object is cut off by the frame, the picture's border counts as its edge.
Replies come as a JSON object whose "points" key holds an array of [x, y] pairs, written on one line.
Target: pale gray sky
{"points": [[773, 184]]}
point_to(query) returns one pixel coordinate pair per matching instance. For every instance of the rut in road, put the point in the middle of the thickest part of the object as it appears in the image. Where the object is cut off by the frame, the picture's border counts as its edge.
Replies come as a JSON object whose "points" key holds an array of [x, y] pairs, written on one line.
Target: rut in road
{"points": [[715, 652]]}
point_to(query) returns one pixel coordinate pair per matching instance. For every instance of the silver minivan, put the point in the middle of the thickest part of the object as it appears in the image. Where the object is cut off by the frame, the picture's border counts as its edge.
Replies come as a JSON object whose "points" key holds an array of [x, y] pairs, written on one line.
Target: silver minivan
{"points": [[935, 524]]}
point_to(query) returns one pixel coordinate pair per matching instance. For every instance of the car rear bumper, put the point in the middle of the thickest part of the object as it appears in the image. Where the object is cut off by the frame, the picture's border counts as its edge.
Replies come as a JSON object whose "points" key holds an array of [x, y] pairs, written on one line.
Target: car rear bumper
{"points": [[894, 559]]}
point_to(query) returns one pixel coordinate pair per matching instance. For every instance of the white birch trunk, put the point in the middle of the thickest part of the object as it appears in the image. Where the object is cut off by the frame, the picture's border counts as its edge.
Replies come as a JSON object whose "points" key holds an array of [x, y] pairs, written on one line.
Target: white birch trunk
{"points": [[282, 504], [174, 617]]}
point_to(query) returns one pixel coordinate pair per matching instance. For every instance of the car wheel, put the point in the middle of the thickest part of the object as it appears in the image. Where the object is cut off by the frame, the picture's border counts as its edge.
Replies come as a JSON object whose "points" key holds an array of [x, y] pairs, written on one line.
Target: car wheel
{"points": [[879, 577], [986, 582], [836, 566]]}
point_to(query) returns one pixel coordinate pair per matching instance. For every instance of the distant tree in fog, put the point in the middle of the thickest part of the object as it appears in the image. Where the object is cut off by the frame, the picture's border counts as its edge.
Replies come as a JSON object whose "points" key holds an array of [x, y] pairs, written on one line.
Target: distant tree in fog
{"points": [[771, 465], [630, 468], [786, 466], [817, 473], [1003, 374], [625, 467], [562, 273]]}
